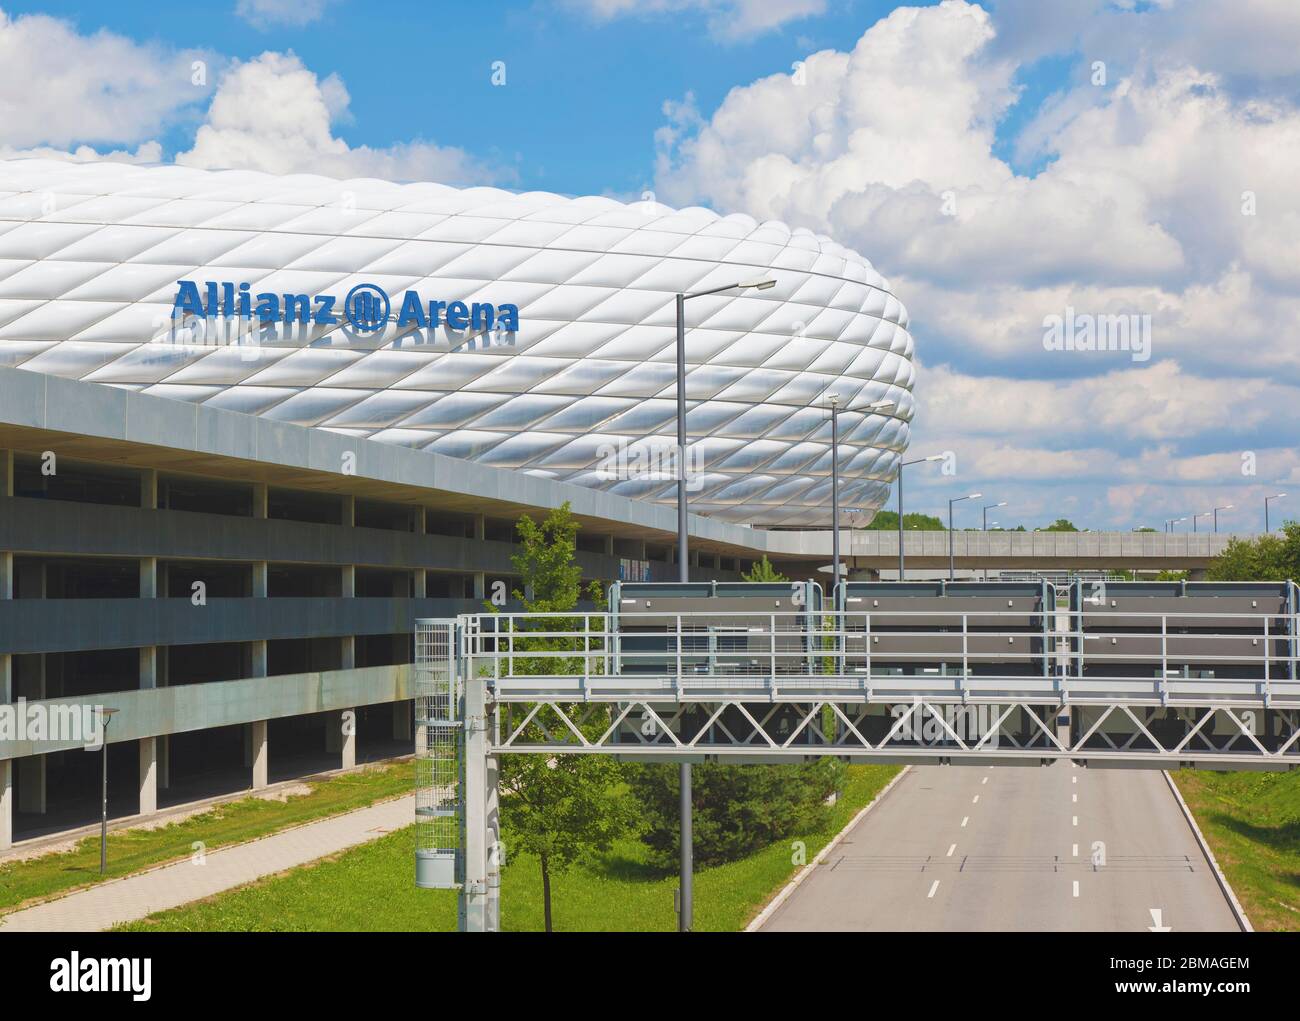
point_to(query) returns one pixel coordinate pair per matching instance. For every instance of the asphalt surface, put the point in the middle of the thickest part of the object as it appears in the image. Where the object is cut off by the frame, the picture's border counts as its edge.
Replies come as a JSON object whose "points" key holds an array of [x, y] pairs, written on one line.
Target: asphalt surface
{"points": [[966, 848]]}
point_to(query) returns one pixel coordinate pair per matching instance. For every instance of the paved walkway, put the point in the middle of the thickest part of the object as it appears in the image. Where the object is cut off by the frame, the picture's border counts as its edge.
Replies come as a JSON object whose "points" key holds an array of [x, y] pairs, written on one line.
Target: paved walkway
{"points": [[134, 897]]}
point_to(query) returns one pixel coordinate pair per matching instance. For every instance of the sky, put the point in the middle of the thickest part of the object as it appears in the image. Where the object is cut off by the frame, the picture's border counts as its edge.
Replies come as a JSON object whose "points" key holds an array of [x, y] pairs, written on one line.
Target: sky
{"points": [[1023, 172]]}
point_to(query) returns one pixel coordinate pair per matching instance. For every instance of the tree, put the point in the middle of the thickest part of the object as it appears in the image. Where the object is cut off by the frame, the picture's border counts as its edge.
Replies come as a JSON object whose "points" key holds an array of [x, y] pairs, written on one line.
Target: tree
{"points": [[1269, 557], [887, 521], [737, 809], [562, 807], [1059, 525], [763, 571]]}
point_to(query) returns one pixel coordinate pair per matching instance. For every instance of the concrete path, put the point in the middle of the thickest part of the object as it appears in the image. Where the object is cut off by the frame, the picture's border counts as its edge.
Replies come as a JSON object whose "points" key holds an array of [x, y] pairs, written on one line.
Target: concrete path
{"points": [[1010, 848], [134, 897]]}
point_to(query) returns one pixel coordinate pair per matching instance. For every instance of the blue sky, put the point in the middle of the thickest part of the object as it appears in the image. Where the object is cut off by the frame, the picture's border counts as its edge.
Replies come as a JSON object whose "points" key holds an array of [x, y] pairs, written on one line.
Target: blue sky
{"points": [[583, 98], [1001, 164]]}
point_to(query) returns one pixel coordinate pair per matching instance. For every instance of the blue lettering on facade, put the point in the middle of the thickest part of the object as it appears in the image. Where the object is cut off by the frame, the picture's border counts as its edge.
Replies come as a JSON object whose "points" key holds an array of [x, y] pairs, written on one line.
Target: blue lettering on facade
{"points": [[367, 308]]}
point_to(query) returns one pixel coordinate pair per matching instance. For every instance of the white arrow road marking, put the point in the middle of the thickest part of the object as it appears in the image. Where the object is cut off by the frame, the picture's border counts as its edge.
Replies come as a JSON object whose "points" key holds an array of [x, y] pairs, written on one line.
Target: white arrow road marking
{"points": [[1156, 914], [934, 886]]}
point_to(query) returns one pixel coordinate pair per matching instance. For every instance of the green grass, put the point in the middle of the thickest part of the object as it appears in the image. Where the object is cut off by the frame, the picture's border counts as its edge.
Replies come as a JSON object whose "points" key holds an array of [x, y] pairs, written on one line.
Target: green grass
{"points": [[1252, 822], [231, 823], [371, 888]]}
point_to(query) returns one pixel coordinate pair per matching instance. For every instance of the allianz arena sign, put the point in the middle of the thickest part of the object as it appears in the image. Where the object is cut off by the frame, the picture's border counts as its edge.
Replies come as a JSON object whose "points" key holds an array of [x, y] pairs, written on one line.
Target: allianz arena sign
{"points": [[367, 308]]}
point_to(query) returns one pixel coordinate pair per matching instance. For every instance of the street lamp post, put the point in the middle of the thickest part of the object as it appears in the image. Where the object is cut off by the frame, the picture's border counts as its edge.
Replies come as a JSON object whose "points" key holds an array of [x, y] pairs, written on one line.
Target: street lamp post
{"points": [[685, 900], [835, 478], [103, 806], [1203, 514], [988, 507], [1275, 496], [1216, 515], [952, 557], [901, 466]]}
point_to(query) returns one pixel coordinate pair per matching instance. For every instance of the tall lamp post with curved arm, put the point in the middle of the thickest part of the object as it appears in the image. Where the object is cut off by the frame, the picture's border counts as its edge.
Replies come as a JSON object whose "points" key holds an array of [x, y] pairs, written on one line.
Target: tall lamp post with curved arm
{"points": [[901, 466], [685, 907], [952, 557]]}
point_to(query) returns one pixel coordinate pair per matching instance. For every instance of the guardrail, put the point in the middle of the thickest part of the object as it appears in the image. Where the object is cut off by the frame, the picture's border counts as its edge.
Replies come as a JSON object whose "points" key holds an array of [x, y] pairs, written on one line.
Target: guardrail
{"points": [[1202, 688]]}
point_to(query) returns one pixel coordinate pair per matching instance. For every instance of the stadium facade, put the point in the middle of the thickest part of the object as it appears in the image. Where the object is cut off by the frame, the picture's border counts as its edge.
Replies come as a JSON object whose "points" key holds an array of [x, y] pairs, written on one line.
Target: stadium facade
{"points": [[251, 427]]}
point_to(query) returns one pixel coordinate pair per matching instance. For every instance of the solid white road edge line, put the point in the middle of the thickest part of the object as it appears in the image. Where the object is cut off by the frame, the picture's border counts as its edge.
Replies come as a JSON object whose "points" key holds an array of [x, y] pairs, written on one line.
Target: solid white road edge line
{"points": [[1237, 910], [761, 918]]}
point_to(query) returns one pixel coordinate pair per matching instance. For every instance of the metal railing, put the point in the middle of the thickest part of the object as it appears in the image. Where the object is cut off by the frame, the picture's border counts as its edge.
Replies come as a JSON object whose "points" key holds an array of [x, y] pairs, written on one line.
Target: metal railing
{"points": [[1065, 656]]}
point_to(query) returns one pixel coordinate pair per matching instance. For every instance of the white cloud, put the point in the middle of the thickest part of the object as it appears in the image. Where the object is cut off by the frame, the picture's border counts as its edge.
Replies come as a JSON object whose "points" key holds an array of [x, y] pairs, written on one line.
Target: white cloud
{"points": [[892, 148], [266, 14], [274, 114], [60, 88], [728, 20], [145, 152]]}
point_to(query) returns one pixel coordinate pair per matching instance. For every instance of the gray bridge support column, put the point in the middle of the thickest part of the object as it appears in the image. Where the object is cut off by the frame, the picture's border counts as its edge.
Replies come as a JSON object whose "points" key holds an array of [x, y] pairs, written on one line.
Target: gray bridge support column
{"points": [[496, 850], [475, 915]]}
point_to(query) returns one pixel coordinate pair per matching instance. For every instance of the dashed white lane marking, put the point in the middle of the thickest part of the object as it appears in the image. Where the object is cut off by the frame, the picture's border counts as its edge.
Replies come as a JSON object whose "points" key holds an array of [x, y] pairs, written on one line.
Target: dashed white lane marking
{"points": [[1075, 850], [985, 780], [1074, 779], [1074, 820], [964, 820], [975, 800], [1074, 797], [1076, 888], [951, 849], [934, 886]]}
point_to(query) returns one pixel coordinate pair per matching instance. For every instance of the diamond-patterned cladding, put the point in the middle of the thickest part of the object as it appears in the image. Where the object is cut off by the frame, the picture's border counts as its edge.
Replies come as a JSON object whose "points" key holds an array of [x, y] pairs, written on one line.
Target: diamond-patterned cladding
{"points": [[90, 255]]}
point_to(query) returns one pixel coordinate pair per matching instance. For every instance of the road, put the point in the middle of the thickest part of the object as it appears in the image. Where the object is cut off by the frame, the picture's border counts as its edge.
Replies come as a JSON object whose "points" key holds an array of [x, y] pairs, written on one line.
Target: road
{"points": [[966, 848]]}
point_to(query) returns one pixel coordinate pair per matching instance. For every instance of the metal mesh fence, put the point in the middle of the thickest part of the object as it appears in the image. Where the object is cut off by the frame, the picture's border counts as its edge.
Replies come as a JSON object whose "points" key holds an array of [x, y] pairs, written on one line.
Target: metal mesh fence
{"points": [[438, 741]]}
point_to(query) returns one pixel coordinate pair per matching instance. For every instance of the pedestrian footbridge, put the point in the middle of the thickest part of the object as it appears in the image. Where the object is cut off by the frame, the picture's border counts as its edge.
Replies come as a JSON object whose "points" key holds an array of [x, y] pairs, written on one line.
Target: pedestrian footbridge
{"points": [[1106, 674]]}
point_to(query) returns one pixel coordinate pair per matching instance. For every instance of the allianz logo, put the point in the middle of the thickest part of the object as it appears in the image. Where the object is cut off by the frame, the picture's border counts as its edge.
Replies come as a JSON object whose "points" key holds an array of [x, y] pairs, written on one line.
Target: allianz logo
{"points": [[225, 313], [366, 308]]}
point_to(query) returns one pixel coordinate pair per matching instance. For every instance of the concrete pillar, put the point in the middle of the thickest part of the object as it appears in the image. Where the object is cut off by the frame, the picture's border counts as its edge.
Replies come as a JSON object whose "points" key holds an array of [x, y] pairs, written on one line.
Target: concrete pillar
{"points": [[259, 500], [260, 570], [350, 746], [419, 519], [421, 583], [148, 577], [480, 585], [261, 753], [609, 545], [349, 515], [341, 737], [480, 527], [148, 775], [6, 804], [349, 581]]}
